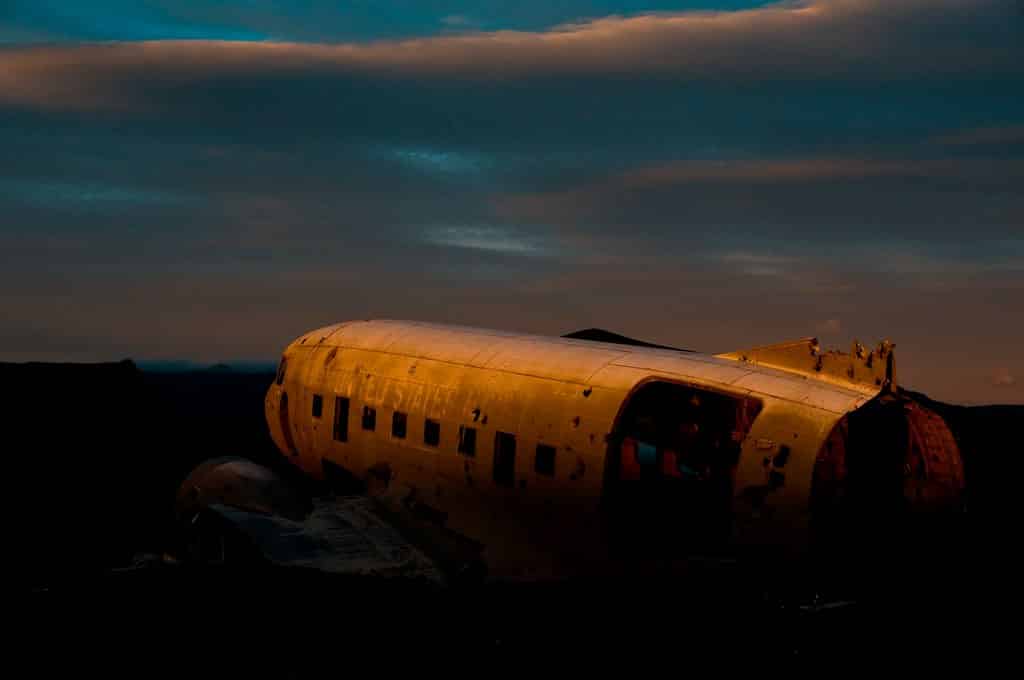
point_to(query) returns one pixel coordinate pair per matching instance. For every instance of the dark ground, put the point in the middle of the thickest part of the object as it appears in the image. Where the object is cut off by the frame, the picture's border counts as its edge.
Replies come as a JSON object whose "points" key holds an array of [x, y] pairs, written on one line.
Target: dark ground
{"points": [[99, 450]]}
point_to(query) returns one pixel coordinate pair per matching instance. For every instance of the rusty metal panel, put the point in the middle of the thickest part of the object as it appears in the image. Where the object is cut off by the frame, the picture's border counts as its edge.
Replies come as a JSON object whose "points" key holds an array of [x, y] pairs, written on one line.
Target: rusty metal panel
{"points": [[863, 369], [934, 468], [617, 377], [441, 344], [802, 390], [747, 377], [554, 360], [368, 335], [578, 361], [722, 372], [319, 336]]}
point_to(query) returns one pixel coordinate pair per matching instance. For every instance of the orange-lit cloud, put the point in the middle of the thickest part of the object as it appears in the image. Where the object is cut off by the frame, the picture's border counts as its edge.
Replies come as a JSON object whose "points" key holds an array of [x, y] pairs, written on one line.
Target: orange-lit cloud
{"points": [[788, 170], [829, 326], [1003, 378], [833, 39], [794, 175], [992, 135]]}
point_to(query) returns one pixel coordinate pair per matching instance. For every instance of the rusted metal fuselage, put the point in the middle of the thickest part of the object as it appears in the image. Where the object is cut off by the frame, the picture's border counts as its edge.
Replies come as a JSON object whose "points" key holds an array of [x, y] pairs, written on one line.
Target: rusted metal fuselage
{"points": [[548, 456]]}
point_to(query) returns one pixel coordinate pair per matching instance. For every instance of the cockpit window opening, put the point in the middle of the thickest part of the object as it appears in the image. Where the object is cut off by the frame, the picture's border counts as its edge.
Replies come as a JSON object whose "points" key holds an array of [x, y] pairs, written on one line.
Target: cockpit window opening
{"points": [[281, 368], [398, 425], [318, 405]]}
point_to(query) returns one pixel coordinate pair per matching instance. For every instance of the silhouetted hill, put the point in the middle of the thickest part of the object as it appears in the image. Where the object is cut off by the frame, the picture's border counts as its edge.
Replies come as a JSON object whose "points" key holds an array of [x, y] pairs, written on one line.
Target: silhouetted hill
{"points": [[182, 366], [601, 335], [220, 368], [100, 449], [989, 438]]}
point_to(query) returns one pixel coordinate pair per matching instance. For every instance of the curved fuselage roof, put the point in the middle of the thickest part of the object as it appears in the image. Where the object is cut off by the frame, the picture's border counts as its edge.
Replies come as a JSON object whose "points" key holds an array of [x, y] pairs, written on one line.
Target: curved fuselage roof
{"points": [[582, 362]]}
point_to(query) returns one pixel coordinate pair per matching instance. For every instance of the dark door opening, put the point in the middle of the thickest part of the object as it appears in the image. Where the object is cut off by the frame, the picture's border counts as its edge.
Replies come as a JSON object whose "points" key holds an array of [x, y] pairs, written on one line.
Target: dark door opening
{"points": [[672, 464]]}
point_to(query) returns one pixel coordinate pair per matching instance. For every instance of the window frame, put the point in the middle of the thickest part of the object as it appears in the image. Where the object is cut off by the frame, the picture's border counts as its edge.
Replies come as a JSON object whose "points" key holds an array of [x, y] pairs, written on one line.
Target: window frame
{"points": [[396, 417], [428, 424], [369, 415], [546, 471], [340, 424], [503, 468], [462, 448]]}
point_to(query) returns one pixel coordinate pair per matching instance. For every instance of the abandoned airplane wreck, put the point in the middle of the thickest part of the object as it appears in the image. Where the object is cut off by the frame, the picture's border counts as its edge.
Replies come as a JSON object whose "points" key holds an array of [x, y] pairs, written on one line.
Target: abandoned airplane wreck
{"points": [[461, 453]]}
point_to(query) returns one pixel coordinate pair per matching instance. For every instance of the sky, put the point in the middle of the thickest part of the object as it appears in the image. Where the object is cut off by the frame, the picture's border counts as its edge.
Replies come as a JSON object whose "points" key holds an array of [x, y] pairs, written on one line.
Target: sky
{"points": [[205, 181]]}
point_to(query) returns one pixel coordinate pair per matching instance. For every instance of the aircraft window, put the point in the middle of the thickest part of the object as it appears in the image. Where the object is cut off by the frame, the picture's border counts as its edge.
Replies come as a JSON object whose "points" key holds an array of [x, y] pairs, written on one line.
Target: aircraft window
{"points": [[281, 369], [318, 405], [369, 418], [544, 463], [467, 440], [340, 419], [504, 459], [431, 432], [398, 422]]}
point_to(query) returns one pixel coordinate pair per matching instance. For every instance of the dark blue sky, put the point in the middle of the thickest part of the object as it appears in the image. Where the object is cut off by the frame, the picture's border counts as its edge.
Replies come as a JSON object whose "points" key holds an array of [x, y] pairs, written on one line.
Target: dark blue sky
{"points": [[307, 20], [205, 181]]}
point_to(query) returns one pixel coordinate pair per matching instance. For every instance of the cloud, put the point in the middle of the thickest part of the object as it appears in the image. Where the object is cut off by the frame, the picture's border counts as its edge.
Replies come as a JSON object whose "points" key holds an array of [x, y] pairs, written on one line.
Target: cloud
{"points": [[782, 171], [1002, 378], [833, 39], [492, 239], [759, 264], [439, 161], [85, 194], [812, 200], [829, 326], [984, 136], [456, 20]]}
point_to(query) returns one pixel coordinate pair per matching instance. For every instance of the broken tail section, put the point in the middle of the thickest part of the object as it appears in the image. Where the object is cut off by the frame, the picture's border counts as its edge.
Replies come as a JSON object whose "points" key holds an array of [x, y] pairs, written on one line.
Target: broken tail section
{"points": [[887, 466]]}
